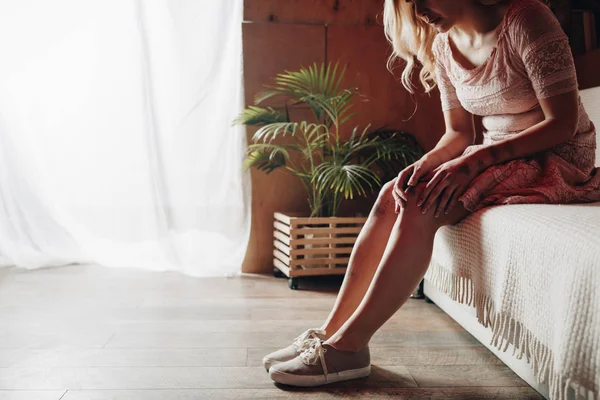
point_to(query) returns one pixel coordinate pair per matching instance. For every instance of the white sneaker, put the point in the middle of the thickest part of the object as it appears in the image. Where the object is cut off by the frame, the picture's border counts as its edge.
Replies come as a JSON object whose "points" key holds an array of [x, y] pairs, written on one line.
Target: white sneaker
{"points": [[292, 351], [320, 364]]}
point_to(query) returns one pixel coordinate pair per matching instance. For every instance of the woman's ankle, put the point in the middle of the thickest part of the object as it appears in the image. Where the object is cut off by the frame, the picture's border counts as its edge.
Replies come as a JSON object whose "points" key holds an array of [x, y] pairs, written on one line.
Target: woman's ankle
{"points": [[345, 344], [330, 330]]}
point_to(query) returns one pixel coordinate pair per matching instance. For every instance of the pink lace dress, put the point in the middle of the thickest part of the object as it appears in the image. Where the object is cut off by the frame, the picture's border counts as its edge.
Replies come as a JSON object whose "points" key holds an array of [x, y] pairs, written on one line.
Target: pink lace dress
{"points": [[532, 60]]}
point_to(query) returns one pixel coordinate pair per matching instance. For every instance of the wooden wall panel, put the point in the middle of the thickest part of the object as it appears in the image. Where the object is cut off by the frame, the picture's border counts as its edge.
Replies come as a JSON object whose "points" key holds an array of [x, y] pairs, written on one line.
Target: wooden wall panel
{"points": [[270, 49], [587, 66], [353, 12], [365, 50]]}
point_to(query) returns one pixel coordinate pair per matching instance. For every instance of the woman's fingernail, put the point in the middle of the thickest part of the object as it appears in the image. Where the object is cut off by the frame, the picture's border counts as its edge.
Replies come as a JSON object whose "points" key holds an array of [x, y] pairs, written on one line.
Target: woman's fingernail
{"points": [[420, 202]]}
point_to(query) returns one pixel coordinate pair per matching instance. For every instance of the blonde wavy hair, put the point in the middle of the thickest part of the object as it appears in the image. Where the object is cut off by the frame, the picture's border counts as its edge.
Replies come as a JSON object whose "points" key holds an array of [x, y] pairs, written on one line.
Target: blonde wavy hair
{"points": [[412, 40]]}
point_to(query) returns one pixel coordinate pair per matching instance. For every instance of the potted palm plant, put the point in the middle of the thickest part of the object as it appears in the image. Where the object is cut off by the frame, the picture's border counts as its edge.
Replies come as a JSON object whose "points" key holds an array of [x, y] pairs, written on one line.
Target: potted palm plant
{"points": [[331, 169]]}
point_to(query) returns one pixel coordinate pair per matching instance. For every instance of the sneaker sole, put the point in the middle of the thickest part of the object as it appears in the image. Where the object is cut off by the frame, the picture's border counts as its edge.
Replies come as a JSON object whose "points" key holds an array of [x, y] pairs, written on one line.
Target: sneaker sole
{"points": [[317, 380], [268, 364]]}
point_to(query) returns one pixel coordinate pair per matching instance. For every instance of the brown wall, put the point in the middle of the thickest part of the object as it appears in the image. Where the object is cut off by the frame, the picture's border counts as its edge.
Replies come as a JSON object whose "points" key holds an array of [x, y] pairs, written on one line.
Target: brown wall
{"points": [[587, 66], [289, 34]]}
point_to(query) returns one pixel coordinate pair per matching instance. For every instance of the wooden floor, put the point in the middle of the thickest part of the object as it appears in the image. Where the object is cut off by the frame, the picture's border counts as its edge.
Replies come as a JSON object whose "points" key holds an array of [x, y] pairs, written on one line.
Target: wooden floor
{"points": [[88, 332]]}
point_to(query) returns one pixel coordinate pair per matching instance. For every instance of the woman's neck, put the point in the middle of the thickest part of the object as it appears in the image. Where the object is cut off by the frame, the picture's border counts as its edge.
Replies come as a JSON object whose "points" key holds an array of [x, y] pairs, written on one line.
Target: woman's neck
{"points": [[478, 22]]}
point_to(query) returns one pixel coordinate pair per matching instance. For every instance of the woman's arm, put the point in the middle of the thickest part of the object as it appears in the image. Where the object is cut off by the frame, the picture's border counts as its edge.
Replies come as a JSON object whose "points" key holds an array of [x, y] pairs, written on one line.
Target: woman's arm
{"points": [[460, 133], [560, 124], [541, 45]]}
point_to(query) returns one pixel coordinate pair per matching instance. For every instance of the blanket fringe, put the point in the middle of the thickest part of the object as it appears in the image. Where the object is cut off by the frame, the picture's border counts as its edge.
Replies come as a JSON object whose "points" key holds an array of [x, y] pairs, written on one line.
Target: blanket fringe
{"points": [[507, 330]]}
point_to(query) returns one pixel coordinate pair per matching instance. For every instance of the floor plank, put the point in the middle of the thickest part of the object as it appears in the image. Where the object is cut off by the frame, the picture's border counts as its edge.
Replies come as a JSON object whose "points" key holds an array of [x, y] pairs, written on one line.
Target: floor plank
{"points": [[73, 357], [469, 393], [88, 332], [31, 394]]}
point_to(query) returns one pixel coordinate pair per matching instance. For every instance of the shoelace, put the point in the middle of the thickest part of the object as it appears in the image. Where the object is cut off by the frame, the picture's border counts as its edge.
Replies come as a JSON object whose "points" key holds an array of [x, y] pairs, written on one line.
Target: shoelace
{"points": [[303, 340], [313, 353]]}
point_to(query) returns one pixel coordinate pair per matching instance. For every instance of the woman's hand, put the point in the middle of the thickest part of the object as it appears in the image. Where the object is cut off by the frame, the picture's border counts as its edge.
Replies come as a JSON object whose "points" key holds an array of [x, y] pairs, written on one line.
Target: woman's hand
{"points": [[411, 175], [450, 180]]}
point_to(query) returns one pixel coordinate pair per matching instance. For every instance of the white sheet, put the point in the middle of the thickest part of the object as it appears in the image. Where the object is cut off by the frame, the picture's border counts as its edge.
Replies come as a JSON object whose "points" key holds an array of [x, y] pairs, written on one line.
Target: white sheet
{"points": [[533, 273]]}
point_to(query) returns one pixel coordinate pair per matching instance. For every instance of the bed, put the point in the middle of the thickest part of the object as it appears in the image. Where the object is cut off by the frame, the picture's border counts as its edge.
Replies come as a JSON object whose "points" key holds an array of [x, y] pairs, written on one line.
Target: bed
{"points": [[524, 280]]}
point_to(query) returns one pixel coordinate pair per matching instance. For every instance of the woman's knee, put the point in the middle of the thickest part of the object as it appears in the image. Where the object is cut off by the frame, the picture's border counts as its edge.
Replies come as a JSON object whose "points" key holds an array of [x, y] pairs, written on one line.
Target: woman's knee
{"points": [[386, 203], [413, 194], [456, 209]]}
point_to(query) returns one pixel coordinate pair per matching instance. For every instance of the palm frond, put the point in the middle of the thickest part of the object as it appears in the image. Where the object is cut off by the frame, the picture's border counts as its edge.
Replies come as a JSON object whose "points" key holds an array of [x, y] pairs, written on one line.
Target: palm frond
{"points": [[316, 143], [317, 87], [260, 116], [350, 179], [266, 157], [269, 132], [387, 151]]}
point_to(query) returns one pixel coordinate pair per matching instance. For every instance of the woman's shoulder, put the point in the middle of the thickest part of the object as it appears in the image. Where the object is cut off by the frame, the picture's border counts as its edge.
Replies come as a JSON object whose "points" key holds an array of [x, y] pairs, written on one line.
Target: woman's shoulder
{"points": [[518, 5], [526, 14], [438, 46], [529, 20]]}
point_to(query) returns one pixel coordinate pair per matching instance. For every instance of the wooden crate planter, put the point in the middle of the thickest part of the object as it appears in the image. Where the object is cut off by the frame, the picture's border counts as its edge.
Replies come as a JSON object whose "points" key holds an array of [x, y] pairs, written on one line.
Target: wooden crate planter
{"points": [[312, 246]]}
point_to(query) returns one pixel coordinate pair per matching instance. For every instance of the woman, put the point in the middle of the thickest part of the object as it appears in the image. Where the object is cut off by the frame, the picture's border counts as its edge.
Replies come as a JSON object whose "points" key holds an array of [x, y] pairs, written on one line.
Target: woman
{"points": [[508, 61]]}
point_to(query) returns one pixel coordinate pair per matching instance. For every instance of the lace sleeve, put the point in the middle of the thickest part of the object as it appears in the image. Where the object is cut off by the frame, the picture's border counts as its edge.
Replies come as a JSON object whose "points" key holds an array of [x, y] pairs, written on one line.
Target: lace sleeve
{"points": [[447, 92], [545, 51]]}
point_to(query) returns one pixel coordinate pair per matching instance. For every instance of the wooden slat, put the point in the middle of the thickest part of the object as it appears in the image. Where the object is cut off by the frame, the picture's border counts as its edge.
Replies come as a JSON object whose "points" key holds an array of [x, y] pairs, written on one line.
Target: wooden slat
{"points": [[298, 272], [278, 254], [282, 247], [317, 271], [341, 240], [296, 221], [282, 267], [304, 231], [281, 217], [283, 237], [323, 250], [298, 214], [282, 227], [317, 261]]}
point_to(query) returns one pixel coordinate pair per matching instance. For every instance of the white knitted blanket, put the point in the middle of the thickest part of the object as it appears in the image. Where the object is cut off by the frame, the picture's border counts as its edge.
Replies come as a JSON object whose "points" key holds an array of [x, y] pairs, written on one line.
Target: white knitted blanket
{"points": [[532, 271]]}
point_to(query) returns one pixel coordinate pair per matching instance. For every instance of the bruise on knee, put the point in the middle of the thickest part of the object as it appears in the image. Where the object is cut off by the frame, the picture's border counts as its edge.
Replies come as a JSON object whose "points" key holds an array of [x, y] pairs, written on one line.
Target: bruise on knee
{"points": [[384, 206]]}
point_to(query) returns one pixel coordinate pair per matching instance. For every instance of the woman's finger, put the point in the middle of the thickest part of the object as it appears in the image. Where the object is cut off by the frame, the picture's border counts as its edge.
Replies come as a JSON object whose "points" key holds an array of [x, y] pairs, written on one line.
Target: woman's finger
{"points": [[433, 196], [401, 182], [399, 192], [416, 175], [428, 188], [454, 199], [400, 187], [398, 202], [444, 201]]}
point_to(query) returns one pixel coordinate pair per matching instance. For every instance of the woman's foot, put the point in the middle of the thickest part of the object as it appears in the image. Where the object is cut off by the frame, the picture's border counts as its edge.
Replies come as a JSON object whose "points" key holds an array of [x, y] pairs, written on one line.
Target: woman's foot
{"points": [[292, 351], [321, 363]]}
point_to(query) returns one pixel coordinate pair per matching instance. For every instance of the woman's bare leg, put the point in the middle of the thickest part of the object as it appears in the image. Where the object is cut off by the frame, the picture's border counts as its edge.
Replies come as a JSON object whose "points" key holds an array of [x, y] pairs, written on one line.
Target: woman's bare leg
{"points": [[402, 266], [366, 256]]}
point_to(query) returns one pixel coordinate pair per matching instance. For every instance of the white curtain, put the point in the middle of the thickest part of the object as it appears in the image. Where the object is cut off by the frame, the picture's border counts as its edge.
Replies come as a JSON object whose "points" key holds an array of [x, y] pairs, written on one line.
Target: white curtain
{"points": [[116, 144]]}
